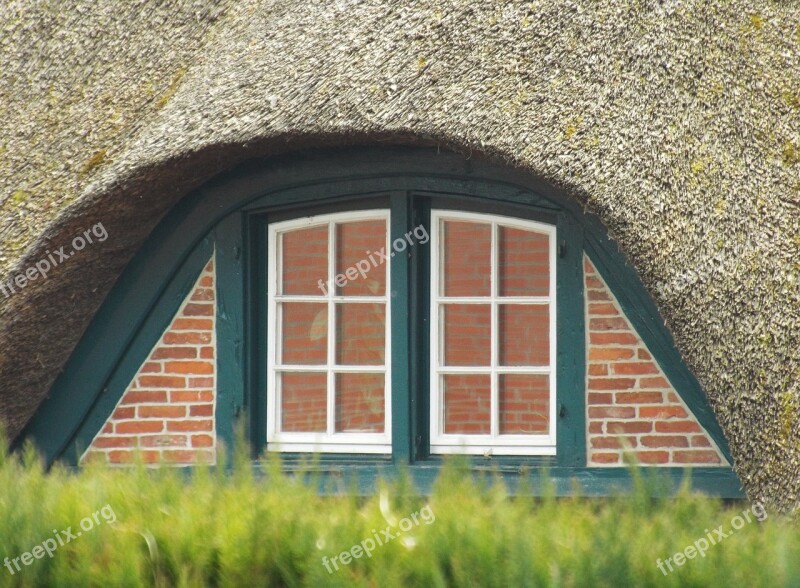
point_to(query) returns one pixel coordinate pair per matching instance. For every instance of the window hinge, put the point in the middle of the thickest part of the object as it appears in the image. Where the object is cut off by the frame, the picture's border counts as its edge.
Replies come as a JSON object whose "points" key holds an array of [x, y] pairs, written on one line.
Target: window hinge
{"points": [[562, 411], [562, 249]]}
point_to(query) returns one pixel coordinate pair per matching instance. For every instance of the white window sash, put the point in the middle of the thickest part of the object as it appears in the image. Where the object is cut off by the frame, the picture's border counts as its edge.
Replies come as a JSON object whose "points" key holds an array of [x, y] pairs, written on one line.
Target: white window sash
{"points": [[493, 443], [329, 441]]}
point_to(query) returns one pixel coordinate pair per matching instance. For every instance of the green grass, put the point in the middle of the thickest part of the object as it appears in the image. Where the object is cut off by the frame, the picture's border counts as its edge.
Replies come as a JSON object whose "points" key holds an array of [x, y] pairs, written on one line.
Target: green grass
{"points": [[210, 528]]}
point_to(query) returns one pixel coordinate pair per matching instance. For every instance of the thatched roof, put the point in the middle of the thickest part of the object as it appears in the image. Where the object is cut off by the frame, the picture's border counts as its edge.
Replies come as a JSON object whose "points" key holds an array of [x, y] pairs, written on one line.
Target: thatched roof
{"points": [[676, 121]]}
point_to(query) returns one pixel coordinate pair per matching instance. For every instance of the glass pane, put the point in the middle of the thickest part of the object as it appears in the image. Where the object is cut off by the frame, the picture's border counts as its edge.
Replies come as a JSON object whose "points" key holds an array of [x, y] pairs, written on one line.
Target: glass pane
{"points": [[523, 263], [467, 404], [359, 403], [524, 336], [466, 259], [524, 404], [360, 334], [467, 330], [304, 261], [304, 333], [304, 401], [360, 269]]}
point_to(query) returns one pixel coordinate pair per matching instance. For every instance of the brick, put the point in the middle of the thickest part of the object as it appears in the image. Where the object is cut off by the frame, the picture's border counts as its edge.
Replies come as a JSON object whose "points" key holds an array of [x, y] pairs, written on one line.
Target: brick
{"points": [[201, 410], [678, 427], [665, 441], [108, 428], [113, 442], [597, 295], [187, 338], [122, 456], [603, 309], [611, 383], [160, 411], [139, 427], [594, 282], [629, 427], [613, 339], [124, 412], [643, 354], [201, 383], [151, 367], [588, 267], [203, 294], [700, 441], [638, 397], [696, 456], [607, 353], [608, 324], [616, 442], [598, 369], [136, 397], [181, 426], [192, 324], [175, 353], [612, 412], [207, 352], [652, 456], [601, 398], [202, 441], [634, 368], [164, 441], [189, 367], [196, 309], [604, 458], [595, 427], [206, 281], [191, 396], [662, 412], [162, 382], [654, 383]]}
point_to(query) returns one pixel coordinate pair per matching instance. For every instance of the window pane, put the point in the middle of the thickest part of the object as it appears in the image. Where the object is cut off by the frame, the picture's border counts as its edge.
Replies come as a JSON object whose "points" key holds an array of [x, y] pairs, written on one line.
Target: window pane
{"points": [[524, 404], [466, 260], [524, 336], [523, 263], [359, 403], [467, 334], [358, 265], [360, 334], [304, 260], [304, 401], [304, 337], [467, 404]]}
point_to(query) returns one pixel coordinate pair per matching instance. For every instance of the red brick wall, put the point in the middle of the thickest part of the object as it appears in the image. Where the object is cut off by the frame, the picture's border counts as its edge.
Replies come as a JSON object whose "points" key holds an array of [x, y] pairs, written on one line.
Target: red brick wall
{"points": [[629, 401], [168, 409]]}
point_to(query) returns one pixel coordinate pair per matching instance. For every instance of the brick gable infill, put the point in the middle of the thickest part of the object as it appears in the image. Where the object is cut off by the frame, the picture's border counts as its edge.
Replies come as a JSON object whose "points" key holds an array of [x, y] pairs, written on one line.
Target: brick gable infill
{"points": [[167, 411], [630, 404]]}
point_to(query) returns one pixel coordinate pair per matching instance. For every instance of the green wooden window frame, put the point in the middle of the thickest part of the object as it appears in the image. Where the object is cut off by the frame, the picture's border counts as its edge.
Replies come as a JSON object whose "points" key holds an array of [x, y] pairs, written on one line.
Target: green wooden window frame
{"points": [[226, 218], [410, 321]]}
